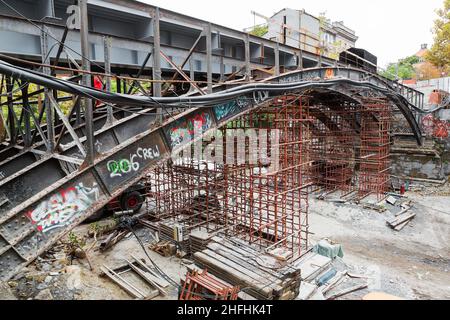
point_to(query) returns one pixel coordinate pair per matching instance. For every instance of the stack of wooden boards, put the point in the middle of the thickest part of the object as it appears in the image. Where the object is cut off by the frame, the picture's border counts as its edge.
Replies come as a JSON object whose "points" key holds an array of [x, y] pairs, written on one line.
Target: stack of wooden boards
{"points": [[259, 275], [402, 218], [199, 240], [137, 278]]}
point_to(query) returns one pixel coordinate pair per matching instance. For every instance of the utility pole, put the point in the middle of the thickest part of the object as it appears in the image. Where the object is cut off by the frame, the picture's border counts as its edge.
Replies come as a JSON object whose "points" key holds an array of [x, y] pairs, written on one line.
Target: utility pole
{"points": [[88, 107]]}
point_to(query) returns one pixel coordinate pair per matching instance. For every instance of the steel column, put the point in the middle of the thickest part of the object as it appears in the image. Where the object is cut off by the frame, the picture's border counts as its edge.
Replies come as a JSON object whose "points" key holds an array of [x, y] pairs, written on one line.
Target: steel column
{"points": [[192, 72], [107, 54], [277, 59], [209, 56], [48, 108], [248, 72], [27, 117], [11, 114], [156, 54], [157, 59], [88, 106]]}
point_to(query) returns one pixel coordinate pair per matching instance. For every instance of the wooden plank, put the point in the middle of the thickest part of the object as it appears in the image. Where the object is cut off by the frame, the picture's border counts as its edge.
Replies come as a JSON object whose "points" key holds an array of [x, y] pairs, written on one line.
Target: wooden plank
{"points": [[312, 265], [146, 277], [401, 219], [306, 290], [241, 269], [347, 291], [236, 277], [122, 283], [161, 282], [277, 274], [334, 282], [403, 211], [230, 254], [401, 226]]}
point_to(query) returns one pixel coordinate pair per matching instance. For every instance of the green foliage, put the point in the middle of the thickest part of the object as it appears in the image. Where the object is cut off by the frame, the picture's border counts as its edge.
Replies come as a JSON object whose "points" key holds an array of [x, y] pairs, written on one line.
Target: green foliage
{"points": [[260, 30], [439, 54], [405, 69], [75, 241]]}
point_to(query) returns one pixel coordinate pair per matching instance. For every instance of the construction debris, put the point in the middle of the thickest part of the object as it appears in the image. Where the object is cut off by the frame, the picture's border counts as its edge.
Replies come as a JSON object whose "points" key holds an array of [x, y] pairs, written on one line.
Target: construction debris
{"points": [[137, 279], [164, 248], [402, 220], [260, 275], [347, 291], [328, 249]]}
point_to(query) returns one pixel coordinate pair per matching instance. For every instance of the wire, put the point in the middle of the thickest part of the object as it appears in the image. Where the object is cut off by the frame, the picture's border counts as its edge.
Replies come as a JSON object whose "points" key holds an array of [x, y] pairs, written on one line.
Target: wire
{"points": [[6, 94], [127, 223]]}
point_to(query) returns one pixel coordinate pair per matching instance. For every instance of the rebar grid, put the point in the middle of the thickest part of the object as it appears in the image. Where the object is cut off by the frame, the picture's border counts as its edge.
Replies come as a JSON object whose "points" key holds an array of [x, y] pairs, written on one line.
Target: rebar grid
{"points": [[340, 148]]}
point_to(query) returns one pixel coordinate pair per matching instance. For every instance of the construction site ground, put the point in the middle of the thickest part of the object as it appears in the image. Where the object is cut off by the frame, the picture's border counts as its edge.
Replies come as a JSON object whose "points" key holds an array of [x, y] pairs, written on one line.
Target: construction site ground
{"points": [[413, 263]]}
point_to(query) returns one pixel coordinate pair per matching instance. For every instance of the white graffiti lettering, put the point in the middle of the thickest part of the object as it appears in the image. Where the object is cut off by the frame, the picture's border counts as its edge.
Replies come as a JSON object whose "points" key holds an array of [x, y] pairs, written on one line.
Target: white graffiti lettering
{"points": [[117, 168], [64, 207]]}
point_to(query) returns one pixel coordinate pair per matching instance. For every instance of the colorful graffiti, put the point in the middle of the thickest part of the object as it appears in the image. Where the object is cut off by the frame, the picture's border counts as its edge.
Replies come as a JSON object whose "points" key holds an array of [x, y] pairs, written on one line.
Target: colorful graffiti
{"points": [[117, 168], [436, 128], [224, 111], [64, 207], [329, 74], [182, 132]]}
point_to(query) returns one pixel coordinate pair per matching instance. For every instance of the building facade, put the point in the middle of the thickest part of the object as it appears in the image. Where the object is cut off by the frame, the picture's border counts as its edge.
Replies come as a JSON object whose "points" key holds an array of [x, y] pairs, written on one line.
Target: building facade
{"points": [[317, 35]]}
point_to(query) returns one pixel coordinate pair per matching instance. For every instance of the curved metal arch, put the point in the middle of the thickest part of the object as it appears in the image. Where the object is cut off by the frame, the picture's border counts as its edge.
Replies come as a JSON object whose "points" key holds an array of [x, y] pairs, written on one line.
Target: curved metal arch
{"points": [[390, 89]]}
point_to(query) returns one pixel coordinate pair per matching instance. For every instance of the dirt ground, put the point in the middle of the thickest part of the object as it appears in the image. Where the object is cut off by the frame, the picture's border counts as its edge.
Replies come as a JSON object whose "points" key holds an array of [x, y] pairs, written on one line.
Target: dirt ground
{"points": [[413, 263]]}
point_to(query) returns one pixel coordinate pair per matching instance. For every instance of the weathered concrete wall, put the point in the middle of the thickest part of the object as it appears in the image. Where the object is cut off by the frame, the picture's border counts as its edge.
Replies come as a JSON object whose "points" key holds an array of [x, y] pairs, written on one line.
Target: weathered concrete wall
{"points": [[419, 166], [431, 161], [446, 157]]}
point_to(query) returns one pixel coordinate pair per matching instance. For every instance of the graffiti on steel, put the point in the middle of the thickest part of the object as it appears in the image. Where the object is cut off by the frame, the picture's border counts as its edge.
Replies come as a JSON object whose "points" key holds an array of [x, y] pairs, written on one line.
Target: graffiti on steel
{"points": [[117, 168], [231, 108], [304, 76], [182, 131], [63, 207]]}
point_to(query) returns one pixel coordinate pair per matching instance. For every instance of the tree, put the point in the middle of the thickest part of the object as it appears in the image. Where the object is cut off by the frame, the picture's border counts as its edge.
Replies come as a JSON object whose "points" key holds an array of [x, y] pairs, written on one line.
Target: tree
{"points": [[426, 71], [405, 68], [439, 54], [260, 30]]}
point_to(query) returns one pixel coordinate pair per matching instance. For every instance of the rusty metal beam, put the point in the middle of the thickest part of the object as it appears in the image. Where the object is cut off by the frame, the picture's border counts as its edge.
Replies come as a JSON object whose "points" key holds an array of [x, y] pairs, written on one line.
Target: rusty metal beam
{"points": [[181, 72]]}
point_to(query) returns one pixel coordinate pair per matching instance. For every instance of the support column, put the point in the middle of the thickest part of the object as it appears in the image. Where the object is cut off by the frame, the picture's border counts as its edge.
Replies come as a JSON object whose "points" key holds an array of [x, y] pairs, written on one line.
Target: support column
{"points": [[107, 53], [300, 60], [192, 72], [27, 117], [277, 59], [48, 108], [209, 57], [157, 59], [222, 53], [88, 106], [248, 72], [11, 116]]}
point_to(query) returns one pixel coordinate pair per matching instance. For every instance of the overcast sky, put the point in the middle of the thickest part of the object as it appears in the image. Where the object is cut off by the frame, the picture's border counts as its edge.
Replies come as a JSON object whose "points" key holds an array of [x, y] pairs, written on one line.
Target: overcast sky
{"points": [[390, 29]]}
